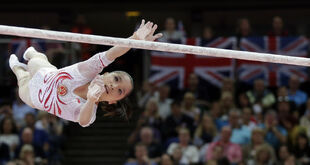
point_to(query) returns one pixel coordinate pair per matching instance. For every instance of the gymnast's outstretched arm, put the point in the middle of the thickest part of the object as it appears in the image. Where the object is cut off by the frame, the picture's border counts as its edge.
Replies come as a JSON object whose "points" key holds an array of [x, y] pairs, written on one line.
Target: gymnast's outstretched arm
{"points": [[93, 66]]}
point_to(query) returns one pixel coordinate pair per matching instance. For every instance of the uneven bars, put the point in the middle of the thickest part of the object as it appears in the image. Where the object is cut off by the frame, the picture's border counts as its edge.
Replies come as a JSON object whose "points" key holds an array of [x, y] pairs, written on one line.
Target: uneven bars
{"points": [[159, 46]]}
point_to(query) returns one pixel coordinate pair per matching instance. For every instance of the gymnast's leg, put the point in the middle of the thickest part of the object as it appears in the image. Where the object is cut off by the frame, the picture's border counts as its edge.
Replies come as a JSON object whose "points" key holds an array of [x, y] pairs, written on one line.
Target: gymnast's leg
{"points": [[23, 78], [36, 61]]}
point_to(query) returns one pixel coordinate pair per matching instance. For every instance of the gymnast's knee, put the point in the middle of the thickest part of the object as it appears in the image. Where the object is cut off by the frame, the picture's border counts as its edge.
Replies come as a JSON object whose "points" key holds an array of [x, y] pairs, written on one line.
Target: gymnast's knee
{"points": [[38, 55], [39, 60]]}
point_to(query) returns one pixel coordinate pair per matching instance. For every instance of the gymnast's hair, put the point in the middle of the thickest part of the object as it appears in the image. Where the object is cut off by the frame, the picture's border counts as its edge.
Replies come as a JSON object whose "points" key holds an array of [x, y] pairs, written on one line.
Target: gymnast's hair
{"points": [[123, 107]]}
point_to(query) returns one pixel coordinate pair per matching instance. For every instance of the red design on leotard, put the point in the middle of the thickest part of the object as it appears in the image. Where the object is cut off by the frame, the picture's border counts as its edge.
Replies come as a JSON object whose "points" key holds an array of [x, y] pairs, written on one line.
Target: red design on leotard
{"points": [[101, 61], [53, 81]]}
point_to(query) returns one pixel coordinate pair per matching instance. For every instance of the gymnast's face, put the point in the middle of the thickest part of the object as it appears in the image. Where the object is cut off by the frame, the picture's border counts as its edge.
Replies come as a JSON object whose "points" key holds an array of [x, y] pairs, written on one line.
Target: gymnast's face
{"points": [[118, 84]]}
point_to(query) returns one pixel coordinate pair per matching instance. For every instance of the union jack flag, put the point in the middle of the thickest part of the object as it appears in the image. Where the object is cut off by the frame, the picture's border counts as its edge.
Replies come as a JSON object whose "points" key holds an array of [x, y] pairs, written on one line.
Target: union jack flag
{"points": [[174, 68], [274, 74]]}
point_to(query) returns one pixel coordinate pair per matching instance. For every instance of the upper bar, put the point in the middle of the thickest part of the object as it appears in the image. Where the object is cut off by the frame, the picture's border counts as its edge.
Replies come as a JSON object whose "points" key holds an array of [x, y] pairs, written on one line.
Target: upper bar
{"points": [[159, 46]]}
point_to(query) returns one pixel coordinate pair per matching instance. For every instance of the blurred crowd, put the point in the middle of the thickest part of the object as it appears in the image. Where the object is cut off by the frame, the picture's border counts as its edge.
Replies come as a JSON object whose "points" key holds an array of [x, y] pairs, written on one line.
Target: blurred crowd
{"points": [[234, 125], [28, 136], [254, 127]]}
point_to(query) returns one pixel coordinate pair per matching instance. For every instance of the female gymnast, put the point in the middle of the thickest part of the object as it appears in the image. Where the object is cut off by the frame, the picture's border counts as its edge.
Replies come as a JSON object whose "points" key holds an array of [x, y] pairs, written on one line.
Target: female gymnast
{"points": [[73, 92]]}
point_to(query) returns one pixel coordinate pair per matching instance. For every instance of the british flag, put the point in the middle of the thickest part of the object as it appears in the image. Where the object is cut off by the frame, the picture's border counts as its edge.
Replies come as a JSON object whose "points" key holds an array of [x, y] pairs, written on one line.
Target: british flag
{"points": [[174, 68], [18, 46], [274, 74]]}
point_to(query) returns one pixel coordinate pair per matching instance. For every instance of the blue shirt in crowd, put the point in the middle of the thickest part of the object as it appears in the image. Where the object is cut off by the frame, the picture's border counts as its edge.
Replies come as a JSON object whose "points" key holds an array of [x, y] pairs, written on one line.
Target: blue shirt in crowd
{"points": [[271, 138], [299, 97], [241, 135]]}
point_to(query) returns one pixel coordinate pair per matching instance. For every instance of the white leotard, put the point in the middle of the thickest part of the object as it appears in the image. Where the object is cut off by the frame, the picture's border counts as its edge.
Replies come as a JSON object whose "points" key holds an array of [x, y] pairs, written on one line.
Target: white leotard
{"points": [[52, 89]]}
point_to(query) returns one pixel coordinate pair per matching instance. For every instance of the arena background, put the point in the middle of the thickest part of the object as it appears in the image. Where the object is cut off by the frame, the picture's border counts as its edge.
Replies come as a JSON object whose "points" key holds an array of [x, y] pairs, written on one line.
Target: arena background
{"points": [[112, 140]]}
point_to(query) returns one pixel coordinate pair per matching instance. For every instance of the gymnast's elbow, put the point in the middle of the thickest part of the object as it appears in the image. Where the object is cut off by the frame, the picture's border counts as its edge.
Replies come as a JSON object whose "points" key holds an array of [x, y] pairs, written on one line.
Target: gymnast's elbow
{"points": [[84, 123]]}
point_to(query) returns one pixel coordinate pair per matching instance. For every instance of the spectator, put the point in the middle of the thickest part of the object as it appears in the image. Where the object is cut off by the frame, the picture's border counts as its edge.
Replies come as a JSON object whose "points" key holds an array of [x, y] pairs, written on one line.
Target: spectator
{"points": [[27, 155], [42, 123], [4, 153], [189, 108], [228, 94], [166, 160], [284, 107], [216, 114], [205, 132], [243, 101], [218, 156], [257, 139], [277, 28], [200, 92], [301, 149], [177, 157], [20, 109], [264, 155], [248, 119], [282, 92], [290, 124], [258, 115], [141, 156], [171, 34], [27, 138], [295, 94], [283, 154], [228, 85], [50, 124], [54, 127], [260, 95], [286, 157], [163, 100], [241, 134], [305, 119], [291, 161], [275, 134], [287, 118], [231, 150], [243, 30], [154, 148], [207, 35], [5, 110], [176, 121], [8, 134], [40, 137], [227, 103], [143, 95], [189, 152], [150, 118], [80, 26]]}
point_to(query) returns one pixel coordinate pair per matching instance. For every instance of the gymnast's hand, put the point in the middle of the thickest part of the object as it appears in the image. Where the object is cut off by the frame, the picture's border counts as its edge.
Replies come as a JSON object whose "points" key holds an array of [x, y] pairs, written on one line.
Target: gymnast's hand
{"points": [[95, 89], [146, 31]]}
